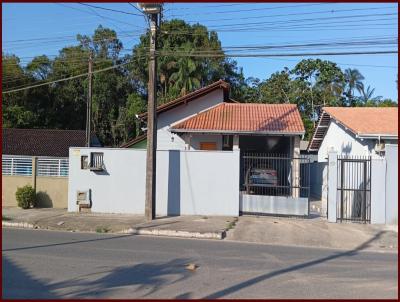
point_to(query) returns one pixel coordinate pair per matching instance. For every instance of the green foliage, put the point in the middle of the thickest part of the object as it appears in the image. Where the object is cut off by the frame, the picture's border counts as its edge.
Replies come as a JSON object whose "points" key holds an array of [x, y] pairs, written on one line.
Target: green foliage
{"points": [[26, 197], [5, 218], [119, 94], [18, 117], [102, 229], [178, 75]]}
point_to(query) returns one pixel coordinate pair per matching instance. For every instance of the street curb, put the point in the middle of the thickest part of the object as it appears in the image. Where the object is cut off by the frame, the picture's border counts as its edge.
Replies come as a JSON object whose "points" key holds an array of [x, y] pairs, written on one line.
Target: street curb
{"points": [[23, 225], [172, 233], [132, 231]]}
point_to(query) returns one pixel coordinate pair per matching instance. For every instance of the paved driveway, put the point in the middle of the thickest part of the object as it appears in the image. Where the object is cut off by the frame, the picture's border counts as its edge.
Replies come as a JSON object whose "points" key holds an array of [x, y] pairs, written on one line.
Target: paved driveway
{"points": [[315, 232]]}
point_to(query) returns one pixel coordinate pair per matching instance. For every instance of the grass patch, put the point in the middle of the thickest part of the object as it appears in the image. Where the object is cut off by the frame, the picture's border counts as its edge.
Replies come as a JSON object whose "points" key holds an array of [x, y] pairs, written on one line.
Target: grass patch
{"points": [[5, 218], [102, 229], [231, 225]]}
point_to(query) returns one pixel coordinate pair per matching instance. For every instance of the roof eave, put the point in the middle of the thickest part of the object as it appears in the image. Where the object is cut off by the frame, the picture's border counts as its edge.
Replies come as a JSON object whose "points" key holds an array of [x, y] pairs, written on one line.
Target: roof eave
{"points": [[377, 136], [211, 131]]}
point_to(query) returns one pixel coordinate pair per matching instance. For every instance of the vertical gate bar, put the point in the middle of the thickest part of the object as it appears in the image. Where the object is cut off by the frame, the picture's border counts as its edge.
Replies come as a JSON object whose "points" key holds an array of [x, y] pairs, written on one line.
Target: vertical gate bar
{"points": [[341, 193], [337, 187], [370, 185], [364, 203], [339, 162]]}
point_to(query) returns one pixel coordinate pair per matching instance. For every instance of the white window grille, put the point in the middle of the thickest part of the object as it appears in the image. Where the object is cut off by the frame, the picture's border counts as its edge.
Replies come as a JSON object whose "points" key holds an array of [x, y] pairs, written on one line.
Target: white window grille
{"points": [[16, 165], [52, 167]]}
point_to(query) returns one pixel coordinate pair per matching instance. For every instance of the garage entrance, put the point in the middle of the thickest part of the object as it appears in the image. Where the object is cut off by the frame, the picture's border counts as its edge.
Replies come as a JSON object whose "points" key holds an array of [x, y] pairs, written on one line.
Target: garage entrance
{"points": [[276, 184]]}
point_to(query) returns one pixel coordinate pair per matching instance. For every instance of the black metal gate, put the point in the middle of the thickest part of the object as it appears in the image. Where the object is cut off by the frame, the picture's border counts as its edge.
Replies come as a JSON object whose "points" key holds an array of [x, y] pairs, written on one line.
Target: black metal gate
{"points": [[354, 189]]}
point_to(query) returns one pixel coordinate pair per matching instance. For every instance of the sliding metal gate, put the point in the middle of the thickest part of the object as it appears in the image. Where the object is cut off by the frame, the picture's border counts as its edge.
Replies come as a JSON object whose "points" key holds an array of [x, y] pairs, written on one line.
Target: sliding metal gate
{"points": [[354, 189], [274, 184]]}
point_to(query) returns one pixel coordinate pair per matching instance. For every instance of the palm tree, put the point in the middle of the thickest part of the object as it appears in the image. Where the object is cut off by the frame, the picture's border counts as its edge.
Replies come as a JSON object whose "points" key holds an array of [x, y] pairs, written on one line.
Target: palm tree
{"points": [[367, 95], [187, 77], [353, 80]]}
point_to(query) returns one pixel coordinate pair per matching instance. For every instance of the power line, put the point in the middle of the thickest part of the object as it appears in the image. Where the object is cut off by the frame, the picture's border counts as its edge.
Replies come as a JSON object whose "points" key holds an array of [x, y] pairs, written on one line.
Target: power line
{"points": [[109, 9], [307, 19], [87, 12], [344, 64], [65, 79], [210, 55], [294, 14], [205, 6], [144, 15], [257, 9]]}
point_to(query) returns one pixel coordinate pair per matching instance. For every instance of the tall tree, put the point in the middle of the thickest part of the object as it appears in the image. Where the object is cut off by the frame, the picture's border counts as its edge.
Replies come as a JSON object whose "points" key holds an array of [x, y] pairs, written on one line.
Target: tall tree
{"points": [[179, 71], [353, 81]]}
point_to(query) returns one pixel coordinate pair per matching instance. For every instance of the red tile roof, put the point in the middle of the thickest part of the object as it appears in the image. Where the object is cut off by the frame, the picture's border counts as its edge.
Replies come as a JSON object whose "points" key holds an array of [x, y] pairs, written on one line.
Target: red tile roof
{"points": [[245, 118], [367, 120]]}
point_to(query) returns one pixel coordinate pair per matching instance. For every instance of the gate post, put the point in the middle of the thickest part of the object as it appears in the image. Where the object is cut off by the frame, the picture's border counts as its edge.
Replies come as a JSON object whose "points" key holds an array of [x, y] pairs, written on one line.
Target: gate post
{"points": [[332, 186], [296, 167], [377, 181]]}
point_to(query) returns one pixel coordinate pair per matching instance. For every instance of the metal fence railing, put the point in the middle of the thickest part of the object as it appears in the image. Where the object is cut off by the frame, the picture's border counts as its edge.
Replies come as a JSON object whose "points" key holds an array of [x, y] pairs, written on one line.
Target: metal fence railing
{"points": [[52, 167], [16, 165], [275, 174], [46, 166]]}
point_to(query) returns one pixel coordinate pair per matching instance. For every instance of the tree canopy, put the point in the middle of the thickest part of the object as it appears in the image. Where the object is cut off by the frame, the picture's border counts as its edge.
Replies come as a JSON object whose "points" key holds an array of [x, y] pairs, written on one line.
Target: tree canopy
{"points": [[120, 93]]}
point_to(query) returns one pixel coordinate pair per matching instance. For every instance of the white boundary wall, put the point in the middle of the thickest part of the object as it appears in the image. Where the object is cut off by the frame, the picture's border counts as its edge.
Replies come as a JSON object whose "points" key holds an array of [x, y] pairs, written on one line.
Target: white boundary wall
{"points": [[188, 182]]}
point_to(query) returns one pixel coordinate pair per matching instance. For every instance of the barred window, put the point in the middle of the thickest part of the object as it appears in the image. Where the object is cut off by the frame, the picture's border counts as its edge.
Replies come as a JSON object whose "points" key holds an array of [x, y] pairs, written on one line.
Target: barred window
{"points": [[52, 167], [16, 165]]}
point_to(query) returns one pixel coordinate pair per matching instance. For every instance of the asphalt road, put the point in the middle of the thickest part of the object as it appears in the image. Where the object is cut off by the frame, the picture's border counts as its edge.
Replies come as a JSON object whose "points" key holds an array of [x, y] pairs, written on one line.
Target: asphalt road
{"points": [[49, 264]]}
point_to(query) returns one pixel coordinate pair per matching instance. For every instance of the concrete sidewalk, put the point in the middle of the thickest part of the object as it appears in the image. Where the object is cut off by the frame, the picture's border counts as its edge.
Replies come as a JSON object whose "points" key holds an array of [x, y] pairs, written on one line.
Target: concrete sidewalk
{"points": [[60, 219], [314, 232]]}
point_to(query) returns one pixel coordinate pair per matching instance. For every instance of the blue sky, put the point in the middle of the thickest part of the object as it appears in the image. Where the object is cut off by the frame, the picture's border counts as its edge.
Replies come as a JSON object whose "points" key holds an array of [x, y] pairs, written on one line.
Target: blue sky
{"points": [[24, 25]]}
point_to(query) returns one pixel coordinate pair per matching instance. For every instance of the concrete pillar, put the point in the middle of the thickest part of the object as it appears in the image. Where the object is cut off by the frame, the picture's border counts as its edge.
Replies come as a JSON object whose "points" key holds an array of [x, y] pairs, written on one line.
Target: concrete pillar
{"points": [[188, 141], [392, 188], [296, 166], [235, 142], [378, 192], [332, 186], [34, 172]]}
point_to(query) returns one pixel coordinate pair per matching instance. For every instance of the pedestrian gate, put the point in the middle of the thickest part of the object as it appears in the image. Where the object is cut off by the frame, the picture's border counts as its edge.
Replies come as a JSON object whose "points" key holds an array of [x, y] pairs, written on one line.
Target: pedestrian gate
{"points": [[354, 189]]}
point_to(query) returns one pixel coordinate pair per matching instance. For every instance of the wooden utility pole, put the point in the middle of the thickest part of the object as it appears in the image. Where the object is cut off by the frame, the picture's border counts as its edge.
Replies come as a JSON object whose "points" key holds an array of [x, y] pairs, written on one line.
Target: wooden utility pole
{"points": [[89, 102], [150, 208]]}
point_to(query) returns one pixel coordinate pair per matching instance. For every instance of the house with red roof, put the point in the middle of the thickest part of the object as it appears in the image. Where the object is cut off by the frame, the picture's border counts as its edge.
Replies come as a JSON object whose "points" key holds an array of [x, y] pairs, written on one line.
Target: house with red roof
{"points": [[208, 119], [359, 131]]}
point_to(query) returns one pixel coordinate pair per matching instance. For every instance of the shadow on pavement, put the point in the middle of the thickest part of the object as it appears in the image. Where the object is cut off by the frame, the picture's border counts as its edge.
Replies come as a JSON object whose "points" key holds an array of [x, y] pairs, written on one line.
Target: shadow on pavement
{"points": [[63, 243], [17, 283], [250, 282], [148, 277]]}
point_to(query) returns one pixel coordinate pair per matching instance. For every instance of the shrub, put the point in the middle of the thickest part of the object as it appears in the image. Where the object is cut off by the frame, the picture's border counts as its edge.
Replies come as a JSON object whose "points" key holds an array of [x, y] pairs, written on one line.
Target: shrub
{"points": [[26, 197]]}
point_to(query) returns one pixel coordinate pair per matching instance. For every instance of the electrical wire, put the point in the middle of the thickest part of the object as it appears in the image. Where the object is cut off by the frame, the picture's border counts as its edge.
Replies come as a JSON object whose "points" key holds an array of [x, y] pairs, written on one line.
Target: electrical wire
{"points": [[108, 9], [65, 79], [292, 14]]}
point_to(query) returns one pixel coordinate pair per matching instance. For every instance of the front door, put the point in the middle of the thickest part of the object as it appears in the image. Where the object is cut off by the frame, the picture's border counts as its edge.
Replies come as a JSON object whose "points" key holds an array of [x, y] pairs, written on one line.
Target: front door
{"points": [[208, 146]]}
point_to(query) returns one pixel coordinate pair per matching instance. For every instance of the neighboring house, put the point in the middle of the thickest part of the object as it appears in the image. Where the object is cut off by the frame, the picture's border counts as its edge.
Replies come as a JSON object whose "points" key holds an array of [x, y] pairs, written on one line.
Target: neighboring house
{"points": [[39, 157], [360, 131], [207, 119], [43, 142]]}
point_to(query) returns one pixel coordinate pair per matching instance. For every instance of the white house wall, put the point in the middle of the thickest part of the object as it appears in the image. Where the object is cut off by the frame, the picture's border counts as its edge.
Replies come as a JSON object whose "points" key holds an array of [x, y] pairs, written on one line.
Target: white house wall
{"points": [[169, 141], [343, 142], [188, 182]]}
